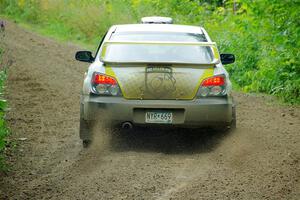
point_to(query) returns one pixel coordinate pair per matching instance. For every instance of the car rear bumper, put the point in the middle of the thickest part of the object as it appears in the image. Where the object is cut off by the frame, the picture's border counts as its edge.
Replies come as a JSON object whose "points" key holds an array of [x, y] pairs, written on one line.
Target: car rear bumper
{"points": [[212, 111]]}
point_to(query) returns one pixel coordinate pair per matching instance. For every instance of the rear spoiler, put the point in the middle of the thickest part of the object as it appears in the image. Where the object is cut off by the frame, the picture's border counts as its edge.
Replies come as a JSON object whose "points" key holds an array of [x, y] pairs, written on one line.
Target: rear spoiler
{"points": [[212, 45]]}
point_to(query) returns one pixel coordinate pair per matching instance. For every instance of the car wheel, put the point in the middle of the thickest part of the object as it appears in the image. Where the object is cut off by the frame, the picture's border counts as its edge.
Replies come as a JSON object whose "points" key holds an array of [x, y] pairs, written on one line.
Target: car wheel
{"points": [[86, 143], [85, 131], [233, 122]]}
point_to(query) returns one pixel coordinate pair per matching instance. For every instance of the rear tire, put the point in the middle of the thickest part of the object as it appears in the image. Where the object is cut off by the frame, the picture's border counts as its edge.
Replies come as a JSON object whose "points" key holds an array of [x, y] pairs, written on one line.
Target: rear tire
{"points": [[233, 122], [85, 131], [86, 143]]}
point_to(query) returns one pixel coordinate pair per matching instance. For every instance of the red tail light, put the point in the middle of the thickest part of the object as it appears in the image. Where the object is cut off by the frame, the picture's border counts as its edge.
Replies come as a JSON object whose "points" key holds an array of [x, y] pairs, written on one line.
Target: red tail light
{"points": [[103, 79], [213, 86], [214, 81], [105, 85]]}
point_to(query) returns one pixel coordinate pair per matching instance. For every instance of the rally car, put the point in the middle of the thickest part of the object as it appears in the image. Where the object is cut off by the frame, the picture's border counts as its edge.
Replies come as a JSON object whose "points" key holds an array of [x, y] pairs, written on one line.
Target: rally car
{"points": [[156, 74]]}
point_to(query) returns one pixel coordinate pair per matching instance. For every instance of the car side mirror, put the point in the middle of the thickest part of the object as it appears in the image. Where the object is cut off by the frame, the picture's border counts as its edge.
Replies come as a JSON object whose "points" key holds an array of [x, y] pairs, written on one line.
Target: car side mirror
{"points": [[227, 58], [84, 56]]}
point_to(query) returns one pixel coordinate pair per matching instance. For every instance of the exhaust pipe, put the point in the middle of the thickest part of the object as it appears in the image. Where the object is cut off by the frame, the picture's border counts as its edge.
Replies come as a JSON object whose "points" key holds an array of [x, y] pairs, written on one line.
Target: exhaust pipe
{"points": [[127, 125]]}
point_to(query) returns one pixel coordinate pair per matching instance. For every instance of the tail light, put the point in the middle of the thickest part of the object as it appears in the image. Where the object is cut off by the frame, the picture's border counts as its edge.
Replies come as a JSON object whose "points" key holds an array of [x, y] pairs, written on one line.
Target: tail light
{"points": [[213, 86], [105, 85]]}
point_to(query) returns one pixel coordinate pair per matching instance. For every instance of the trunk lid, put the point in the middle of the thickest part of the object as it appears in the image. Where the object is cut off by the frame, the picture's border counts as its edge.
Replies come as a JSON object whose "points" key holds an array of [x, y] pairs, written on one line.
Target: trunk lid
{"points": [[144, 81]]}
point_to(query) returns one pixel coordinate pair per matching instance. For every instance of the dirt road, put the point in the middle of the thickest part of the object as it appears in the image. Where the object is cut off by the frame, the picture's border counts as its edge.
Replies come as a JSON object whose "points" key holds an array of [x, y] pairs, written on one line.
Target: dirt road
{"points": [[260, 160]]}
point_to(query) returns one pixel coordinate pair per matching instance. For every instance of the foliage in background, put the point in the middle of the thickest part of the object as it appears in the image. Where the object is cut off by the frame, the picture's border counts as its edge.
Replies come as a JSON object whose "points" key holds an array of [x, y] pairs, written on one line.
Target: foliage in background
{"points": [[264, 35], [3, 129]]}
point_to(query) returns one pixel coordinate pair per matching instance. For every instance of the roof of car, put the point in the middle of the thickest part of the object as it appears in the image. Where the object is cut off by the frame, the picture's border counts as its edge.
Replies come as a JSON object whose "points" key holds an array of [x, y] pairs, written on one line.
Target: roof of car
{"points": [[158, 28]]}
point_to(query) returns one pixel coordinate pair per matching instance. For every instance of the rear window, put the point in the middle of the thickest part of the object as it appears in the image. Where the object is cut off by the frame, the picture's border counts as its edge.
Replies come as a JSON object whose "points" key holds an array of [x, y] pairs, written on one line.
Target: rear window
{"points": [[157, 52], [158, 36]]}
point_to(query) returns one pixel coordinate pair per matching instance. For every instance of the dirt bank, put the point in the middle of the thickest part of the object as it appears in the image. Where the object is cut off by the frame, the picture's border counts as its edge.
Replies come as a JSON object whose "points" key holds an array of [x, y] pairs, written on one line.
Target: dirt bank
{"points": [[260, 160]]}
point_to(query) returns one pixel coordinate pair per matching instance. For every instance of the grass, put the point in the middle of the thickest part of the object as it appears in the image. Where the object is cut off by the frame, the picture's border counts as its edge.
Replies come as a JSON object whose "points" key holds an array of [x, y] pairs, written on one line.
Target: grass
{"points": [[48, 32], [3, 129]]}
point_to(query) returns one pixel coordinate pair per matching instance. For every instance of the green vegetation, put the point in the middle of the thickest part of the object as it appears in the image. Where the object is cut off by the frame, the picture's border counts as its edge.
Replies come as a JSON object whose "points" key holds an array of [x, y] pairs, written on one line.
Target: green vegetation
{"points": [[264, 35], [3, 129]]}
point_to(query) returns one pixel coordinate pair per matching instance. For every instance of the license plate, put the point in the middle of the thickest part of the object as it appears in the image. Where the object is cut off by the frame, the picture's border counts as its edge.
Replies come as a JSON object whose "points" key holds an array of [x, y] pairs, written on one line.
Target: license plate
{"points": [[159, 117]]}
